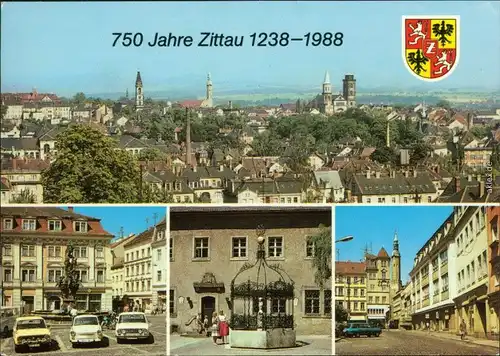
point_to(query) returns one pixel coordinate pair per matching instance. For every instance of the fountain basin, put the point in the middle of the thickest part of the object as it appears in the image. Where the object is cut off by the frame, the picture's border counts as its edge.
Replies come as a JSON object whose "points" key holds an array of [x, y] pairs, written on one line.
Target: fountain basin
{"points": [[263, 339]]}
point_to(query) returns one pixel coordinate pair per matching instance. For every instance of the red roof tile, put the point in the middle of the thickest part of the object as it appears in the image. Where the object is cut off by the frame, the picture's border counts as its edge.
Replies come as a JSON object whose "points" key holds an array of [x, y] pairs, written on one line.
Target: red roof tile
{"points": [[383, 253], [348, 267]]}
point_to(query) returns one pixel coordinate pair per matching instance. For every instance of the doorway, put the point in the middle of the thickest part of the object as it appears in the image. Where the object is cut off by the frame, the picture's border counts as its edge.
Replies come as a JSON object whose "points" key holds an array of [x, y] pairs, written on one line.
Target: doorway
{"points": [[207, 307], [28, 304]]}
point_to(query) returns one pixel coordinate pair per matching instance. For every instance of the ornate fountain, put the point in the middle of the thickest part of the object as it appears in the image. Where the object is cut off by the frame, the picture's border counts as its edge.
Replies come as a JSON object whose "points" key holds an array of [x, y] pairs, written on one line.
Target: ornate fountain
{"points": [[262, 304]]}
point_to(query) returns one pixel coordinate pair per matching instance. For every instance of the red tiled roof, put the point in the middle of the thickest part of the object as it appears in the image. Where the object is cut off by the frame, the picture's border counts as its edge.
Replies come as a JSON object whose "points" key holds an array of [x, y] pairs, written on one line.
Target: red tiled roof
{"points": [[383, 253], [348, 267], [191, 103]]}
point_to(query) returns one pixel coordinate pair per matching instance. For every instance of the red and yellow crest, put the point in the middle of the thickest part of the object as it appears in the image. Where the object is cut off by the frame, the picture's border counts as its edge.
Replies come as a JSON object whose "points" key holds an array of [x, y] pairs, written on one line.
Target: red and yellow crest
{"points": [[431, 45]]}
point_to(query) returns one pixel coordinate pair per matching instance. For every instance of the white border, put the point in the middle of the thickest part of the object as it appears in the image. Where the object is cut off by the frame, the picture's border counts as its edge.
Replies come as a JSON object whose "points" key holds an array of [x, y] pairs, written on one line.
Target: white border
{"points": [[334, 257], [457, 44]]}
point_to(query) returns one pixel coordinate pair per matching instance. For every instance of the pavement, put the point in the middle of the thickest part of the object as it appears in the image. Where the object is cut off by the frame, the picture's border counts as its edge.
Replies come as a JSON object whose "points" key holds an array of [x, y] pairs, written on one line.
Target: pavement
{"points": [[405, 342], [62, 345], [307, 345]]}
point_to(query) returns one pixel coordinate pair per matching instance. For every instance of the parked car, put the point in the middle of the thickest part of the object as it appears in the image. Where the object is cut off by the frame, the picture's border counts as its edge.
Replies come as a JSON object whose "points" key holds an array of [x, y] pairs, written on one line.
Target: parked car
{"points": [[132, 326], [30, 332], [357, 329], [85, 329], [8, 316]]}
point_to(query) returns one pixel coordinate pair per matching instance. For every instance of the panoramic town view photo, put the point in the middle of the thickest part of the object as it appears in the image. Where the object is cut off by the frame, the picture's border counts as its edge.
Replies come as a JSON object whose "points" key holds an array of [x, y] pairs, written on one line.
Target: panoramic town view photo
{"points": [[83, 280], [417, 280], [211, 103], [250, 281]]}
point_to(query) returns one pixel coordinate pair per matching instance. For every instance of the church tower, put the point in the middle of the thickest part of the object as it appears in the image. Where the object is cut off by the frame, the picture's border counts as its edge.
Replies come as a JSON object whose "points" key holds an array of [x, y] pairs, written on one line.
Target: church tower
{"points": [[395, 266], [349, 90], [209, 99], [327, 95], [139, 93]]}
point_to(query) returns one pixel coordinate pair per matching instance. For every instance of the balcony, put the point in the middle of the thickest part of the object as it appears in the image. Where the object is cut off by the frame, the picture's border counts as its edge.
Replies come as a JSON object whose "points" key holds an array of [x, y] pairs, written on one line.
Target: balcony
{"points": [[425, 280], [435, 275], [426, 303], [445, 295]]}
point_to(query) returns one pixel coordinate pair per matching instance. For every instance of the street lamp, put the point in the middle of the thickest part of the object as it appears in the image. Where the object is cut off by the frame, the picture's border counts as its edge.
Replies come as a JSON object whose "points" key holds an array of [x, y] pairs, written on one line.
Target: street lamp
{"points": [[345, 239]]}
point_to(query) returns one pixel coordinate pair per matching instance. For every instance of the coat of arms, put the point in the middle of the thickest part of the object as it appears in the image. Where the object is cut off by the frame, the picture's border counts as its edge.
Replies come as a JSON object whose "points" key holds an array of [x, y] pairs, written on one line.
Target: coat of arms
{"points": [[431, 45]]}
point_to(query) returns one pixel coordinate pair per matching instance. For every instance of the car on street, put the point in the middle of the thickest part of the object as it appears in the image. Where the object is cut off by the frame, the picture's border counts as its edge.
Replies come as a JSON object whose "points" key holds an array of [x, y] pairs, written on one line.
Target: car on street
{"points": [[358, 329], [85, 329], [132, 326], [8, 316], [30, 332]]}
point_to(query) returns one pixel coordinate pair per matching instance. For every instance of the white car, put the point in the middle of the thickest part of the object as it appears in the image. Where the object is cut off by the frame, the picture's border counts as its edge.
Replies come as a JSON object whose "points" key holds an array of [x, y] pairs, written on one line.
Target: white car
{"points": [[85, 329], [132, 326]]}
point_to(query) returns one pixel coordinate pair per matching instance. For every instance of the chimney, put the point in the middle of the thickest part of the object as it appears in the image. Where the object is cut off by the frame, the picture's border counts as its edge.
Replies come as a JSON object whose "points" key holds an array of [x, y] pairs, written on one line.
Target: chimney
{"points": [[221, 168], [407, 173], [478, 177], [457, 184], [188, 138], [230, 104], [414, 173], [368, 174], [194, 168], [349, 195], [377, 174], [70, 209], [469, 178], [481, 188]]}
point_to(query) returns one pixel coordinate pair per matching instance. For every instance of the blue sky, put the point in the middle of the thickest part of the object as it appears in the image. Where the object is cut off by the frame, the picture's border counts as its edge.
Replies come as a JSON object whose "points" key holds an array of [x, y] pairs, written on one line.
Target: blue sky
{"points": [[66, 47], [376, 226], [132, 219]]}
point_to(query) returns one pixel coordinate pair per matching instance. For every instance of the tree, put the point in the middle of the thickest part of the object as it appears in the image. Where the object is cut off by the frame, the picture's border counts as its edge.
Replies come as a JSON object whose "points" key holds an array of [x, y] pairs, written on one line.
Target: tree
{"points": [[384, 155], [152, 154], [419, 152], [90, 168], [341, 314], [25, 197], [69, 282], [79, 99], [443, 104], [322, 260]]}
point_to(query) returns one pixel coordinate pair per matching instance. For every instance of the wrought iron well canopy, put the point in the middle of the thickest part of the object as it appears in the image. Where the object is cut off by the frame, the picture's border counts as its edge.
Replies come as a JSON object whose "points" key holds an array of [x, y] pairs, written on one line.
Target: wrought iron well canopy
{"points": [[262, 294]]}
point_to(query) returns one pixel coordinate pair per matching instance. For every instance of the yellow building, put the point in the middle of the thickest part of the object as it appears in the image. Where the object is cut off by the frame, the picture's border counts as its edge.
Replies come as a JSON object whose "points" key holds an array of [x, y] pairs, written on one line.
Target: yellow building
{"points": [[379, 286], [350, 288], [33, 244]]}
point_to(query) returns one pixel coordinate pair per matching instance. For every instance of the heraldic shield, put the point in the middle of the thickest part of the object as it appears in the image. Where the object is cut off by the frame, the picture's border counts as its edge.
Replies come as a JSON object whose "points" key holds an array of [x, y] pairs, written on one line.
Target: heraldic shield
{"points": [[431, 45]]}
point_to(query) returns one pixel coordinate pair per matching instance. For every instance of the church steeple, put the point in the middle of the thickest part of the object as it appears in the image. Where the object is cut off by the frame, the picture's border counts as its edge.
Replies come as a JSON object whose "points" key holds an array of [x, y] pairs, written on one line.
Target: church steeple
{"points": [[395, 245], [209, 87], [327, 95], [139, 93]]}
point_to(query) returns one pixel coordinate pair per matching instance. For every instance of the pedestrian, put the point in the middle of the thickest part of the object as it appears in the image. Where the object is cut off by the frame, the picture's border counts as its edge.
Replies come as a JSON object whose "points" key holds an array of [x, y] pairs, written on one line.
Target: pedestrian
{"points": [[74, 313], [428, 326], [463, 329], [215, 328], [206, 325], [223, 327]]}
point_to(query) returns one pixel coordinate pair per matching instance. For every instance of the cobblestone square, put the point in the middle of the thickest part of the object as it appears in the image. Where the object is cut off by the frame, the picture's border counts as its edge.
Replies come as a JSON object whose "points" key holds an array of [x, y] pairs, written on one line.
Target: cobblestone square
{"points": [[62, 345], [400, 342]]}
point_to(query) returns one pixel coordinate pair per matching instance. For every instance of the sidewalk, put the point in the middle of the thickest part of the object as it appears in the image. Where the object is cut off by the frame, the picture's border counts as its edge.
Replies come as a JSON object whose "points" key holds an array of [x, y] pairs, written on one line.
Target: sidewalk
{"points": [[456, 337]]}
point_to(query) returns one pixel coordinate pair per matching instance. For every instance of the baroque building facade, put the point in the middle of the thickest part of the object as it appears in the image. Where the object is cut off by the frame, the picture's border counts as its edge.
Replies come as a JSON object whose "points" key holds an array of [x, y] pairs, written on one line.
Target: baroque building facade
{"points": [[207, 247], [34, 243]]}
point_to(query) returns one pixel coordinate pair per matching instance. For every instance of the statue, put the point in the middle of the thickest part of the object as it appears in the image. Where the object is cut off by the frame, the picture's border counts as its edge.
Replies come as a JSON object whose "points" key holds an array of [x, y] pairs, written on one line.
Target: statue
{"points": [[69, 282]]}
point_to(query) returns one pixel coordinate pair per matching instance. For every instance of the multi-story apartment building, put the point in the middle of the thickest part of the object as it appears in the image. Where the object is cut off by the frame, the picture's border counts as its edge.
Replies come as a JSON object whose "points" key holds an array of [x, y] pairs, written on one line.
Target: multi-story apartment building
{"points": [[34, 243], [209, 246], [160, 264], [471, 300], [433, 281], [118, 271], [138, 270], [379, 286], [405, 320], [350, 288], [493, 224], [24, 175]]}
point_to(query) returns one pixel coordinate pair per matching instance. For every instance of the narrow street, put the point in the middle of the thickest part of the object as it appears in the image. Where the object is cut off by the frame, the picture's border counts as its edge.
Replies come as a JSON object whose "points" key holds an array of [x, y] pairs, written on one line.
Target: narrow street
{"points": [[401, 342]]}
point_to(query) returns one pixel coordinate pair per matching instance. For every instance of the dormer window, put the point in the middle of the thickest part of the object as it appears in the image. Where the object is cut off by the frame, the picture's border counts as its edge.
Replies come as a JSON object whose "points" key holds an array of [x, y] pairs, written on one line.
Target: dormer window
{"points": [[8, 224], [55, 225], [80, 226], [29, 224]]}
